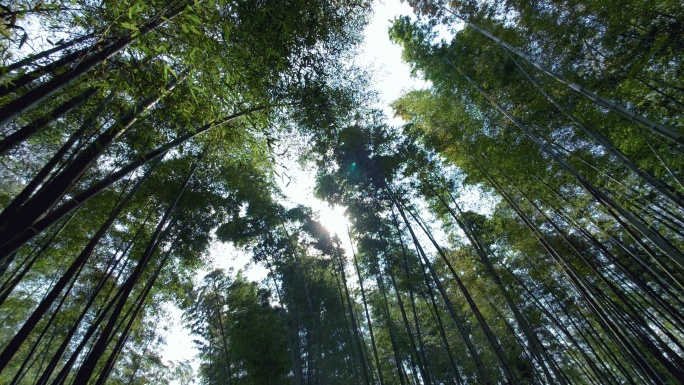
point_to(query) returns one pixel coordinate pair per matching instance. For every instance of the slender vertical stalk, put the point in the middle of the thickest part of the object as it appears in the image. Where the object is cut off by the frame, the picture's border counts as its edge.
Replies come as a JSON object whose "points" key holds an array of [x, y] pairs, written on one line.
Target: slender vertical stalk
{"points": [[483, 373], [365, 307], [88, 366], [496, 346], [667, 132]]}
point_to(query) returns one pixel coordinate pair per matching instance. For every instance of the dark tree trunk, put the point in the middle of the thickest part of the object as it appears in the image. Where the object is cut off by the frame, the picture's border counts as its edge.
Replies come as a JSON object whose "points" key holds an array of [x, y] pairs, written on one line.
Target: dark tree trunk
{"points": [[423, 372], [36, 126], [50, 218], [661, 129], [368, 318], [482, 372], [137, 309], [32, 98], [500, 354], [354, 326], [31, 59], [49, 167], [70, 274], [88, 366], [51, 193], [390, 327], [612, 208]]}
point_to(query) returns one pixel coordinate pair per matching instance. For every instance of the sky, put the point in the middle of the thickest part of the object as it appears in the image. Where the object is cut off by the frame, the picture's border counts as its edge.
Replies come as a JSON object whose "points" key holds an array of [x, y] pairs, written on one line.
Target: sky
{"points": [[392, 79]]}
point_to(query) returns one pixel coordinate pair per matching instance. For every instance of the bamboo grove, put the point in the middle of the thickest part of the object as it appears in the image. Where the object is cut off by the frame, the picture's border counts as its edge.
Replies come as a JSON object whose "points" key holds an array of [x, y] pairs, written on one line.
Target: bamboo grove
{"points": [[524, 226]]}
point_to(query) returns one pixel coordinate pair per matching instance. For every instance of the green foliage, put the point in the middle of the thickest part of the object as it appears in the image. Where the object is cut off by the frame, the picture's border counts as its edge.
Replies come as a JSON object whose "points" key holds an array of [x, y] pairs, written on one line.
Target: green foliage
{"points": [[512, 231], [243, 335]]}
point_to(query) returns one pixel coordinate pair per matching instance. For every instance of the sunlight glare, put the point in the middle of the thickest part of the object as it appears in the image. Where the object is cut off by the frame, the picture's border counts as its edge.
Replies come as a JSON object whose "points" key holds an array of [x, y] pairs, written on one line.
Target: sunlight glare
{"points": [[333, 219]]}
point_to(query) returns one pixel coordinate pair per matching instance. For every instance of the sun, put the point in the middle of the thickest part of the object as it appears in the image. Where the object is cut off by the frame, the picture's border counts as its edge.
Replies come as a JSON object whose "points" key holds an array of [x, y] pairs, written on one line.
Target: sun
{"points": [[333, 219]]}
